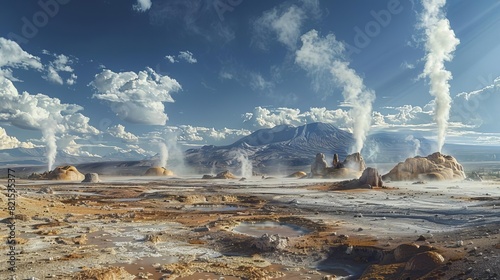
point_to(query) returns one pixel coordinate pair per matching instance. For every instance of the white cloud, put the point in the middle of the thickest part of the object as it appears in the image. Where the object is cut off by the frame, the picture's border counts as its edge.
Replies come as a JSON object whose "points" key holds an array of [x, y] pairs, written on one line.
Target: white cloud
{"points": [[258, 83], [478, 108], [13, 56], [171, 58], [36, 112], [118, 131], [72, 79], [11, 142], [143, 5], [61, 63], [136, 97], [406, 65], [189, 135], [268, 118], [283, 23], [225, 75], [186, 56]]}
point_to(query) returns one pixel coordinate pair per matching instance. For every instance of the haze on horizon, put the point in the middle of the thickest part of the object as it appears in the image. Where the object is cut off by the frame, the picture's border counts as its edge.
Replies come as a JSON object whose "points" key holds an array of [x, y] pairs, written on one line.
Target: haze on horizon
{"points": [[94, 78]]}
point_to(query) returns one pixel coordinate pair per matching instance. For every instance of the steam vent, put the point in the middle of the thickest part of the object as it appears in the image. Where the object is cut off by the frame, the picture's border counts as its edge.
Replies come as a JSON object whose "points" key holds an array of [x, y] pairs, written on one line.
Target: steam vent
{"points": [[158, 171], [435, 167]]}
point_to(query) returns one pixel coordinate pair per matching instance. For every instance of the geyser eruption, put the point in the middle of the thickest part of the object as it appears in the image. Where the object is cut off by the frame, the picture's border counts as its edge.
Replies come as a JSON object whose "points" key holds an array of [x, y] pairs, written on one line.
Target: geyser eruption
{"points": [[246, 169], [163, 155], [440, 45], [320, 56], [49, 136]]}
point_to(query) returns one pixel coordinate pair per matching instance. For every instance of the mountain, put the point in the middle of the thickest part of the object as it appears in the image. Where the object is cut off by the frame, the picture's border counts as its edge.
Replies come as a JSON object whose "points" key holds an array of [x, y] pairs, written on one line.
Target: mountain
{"points": [[286, 145]]}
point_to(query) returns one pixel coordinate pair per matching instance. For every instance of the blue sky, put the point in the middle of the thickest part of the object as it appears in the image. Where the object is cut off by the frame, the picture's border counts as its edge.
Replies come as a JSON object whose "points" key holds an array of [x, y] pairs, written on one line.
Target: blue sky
{"points": [[215, 70]]}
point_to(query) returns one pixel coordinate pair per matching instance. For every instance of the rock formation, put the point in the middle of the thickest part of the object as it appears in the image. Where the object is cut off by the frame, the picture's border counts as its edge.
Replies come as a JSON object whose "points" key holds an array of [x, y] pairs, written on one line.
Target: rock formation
{"points": [[433, 167], [158, 171], [350, 168], [355, 162], [62, 173], [318, 167], [270, 242], [222, 175], [91, 178], [369, 179]]}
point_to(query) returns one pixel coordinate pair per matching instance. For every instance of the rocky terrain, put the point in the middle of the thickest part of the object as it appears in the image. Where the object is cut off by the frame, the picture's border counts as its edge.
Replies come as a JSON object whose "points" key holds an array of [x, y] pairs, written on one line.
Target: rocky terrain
{"points": [[271, 228]]}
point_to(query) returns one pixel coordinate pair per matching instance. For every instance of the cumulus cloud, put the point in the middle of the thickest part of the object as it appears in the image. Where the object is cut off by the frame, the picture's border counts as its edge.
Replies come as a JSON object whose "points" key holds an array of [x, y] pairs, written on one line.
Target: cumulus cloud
{"points": [[43, 113], [11, 142], [136, 97], [283, 23], [61, 63], [32, 112], [186, 56], [142, 5], [13, 56], [118, 131], [268, 118]]}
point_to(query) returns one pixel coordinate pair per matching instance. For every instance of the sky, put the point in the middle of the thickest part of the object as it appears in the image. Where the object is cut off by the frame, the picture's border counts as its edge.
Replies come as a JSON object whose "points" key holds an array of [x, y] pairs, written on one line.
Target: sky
{"points": [[100, 76]]}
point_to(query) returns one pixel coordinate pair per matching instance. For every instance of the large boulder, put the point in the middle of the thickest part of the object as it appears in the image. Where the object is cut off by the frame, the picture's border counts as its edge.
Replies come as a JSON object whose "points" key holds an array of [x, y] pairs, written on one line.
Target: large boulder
{"points": [[158, 171], [318, 167], [91, 178], [433, 167]]}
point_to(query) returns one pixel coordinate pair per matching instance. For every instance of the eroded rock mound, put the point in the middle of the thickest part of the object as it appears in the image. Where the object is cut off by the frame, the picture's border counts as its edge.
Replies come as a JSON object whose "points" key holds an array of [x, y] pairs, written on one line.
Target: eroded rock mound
{"points": [[61, 173], [158, 171], [222, 175], [433, 167], [91, 178], [270, 242], [424, 261], [369, 179]]}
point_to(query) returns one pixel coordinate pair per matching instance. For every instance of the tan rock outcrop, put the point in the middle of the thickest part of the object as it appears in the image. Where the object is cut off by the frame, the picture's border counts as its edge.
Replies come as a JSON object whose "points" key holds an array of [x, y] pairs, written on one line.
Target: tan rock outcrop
{"points": [[61, 173], [433, 167], [222, 175]]}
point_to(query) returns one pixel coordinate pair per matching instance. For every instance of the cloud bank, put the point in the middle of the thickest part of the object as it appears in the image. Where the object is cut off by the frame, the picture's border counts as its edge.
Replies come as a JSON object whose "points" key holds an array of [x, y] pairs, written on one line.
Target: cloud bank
{"points": [[136, 97]]}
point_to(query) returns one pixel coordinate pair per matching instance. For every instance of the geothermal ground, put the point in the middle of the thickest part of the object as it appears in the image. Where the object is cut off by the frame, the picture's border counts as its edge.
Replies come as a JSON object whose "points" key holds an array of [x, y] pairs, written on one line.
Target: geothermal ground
{"points": [[187, 228]]}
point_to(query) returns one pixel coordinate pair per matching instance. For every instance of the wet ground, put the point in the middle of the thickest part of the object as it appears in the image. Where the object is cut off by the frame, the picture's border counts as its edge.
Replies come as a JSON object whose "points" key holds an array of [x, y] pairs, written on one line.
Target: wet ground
{"points": [[187, 228]]}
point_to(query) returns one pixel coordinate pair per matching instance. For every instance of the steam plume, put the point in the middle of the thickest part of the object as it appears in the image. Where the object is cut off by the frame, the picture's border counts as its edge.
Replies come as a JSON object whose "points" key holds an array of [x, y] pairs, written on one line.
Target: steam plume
{"points": [[440, 45], [49, 136], [327, 55], [163, 155], [246, 169]]}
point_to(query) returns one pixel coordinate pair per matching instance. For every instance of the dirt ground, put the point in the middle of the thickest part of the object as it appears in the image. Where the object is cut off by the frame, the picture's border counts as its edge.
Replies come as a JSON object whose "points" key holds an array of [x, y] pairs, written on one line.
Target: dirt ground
{"points": [[187, 228]]}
